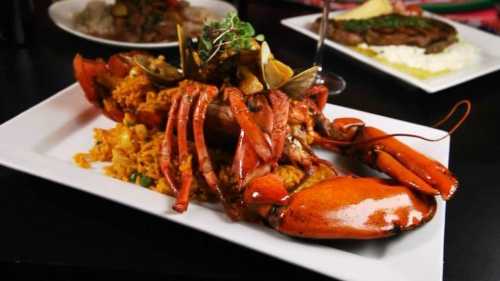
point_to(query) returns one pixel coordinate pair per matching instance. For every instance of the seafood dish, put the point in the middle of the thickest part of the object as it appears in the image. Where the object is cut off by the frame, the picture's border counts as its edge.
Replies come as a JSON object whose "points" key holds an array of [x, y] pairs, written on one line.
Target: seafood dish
{"points": [[403, 37], [237, 126], [144, 21]]}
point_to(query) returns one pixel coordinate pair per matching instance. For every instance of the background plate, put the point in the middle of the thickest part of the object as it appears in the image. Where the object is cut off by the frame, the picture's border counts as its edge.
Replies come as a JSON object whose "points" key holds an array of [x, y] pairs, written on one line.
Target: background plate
{"points": [[62, 13], [487, 44], [29, 145]]}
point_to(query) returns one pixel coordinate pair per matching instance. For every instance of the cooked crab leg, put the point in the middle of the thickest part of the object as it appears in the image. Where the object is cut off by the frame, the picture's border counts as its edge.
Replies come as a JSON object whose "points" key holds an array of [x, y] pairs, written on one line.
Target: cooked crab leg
{"points": [[168, 140], [189, 92], [248, 125]]}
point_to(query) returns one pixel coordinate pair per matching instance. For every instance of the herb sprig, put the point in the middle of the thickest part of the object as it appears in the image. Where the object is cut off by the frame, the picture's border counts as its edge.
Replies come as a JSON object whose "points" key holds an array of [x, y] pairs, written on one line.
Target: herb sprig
{"points": [[230, 33]]}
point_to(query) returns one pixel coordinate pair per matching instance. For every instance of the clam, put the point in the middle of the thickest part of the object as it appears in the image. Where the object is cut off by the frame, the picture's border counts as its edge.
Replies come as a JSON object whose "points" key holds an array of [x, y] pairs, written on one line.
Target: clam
{"points": [[296, 87], [157, 69], [277, 75], [274, 72]]}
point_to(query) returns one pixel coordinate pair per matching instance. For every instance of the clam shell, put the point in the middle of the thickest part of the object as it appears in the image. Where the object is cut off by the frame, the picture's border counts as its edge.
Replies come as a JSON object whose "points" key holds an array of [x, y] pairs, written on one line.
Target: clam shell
{"points": [[274, 72], [297, 85], [163, 73], [265, 55]]}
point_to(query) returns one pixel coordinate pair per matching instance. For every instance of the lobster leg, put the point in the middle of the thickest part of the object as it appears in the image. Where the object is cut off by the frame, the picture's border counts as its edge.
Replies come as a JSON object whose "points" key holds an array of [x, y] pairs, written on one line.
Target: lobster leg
{"points": [[270, 119], [245, 159], [352, 208], [166, 145], [206, 97], [204, 163], [242, 115], [280, 106], [189, 92]]}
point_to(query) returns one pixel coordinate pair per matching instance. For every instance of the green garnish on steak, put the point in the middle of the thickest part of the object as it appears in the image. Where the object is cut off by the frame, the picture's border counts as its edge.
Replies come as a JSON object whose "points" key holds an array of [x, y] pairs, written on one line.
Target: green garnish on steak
{"points": [[393, 29], [388, 21]]}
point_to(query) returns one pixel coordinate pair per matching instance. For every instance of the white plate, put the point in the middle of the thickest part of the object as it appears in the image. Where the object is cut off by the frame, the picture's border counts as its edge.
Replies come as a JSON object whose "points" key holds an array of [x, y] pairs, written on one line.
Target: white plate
{"points": [[62, 12], [488, 45], [42, 141]]}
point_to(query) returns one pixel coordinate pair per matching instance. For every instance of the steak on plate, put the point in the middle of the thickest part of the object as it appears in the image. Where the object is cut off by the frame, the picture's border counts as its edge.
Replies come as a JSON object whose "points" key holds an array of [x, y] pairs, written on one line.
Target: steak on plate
{"points": [[393, 29]]}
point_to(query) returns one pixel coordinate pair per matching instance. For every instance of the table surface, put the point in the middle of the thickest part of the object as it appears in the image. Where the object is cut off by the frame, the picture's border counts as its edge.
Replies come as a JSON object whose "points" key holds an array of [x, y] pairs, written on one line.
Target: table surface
{"points": [[59, 233]]}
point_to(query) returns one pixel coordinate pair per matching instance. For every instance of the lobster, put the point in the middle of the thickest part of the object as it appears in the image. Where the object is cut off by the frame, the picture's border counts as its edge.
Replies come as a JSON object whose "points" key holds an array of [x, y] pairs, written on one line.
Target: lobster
{"points": [[274, 130]]}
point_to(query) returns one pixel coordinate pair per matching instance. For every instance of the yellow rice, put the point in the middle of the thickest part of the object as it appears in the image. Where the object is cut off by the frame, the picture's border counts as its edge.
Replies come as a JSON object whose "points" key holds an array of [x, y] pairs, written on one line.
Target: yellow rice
{"points": [[133, 153]]}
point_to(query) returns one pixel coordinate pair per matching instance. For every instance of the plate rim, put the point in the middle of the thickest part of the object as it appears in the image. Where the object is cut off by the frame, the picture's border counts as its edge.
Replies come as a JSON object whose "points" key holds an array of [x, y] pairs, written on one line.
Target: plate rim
{"points": [[291, 23], [17, 158], [123, 44]]}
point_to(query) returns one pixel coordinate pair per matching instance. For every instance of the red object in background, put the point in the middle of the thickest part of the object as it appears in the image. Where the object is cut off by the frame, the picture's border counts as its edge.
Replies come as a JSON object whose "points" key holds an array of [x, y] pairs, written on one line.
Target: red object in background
{"points": [[487, 19], [486, 16]]}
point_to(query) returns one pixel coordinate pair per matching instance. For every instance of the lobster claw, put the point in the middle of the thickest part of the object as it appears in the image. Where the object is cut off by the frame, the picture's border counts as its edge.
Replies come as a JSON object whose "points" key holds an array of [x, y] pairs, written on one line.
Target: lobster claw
{"points": [[86, 72], [97, 78], [403, 163], [352, 208], [267, 189]]}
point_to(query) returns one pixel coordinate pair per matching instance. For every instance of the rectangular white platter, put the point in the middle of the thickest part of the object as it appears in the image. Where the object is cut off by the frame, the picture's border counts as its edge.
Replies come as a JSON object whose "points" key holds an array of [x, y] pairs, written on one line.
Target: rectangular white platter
{"points": [[42, 140], [487, 44]]}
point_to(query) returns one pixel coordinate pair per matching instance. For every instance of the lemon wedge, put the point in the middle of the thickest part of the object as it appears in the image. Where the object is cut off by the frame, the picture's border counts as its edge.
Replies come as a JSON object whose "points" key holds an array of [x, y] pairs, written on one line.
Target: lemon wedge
{"points": [[369, 9]]}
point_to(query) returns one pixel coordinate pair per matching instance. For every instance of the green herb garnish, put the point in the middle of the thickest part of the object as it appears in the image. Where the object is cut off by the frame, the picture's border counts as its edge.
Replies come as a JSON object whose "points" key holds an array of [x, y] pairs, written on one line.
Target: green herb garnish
{"points": [[230, 33], [387, 21]]}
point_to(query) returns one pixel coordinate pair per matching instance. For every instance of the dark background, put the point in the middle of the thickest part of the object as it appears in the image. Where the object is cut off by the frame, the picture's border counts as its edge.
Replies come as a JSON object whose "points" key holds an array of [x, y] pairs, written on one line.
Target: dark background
{"points": [[52, 232]]}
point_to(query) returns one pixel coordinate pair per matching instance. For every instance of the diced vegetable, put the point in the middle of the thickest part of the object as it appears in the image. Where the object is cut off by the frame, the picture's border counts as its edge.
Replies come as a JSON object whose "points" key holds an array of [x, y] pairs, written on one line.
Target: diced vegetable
{"points": [[145, 181]]}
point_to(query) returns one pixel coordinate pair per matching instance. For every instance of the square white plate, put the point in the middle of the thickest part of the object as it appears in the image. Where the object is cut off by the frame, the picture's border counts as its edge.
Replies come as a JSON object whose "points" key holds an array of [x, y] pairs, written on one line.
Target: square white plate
{"points": [[487, 44], [42, 141]]}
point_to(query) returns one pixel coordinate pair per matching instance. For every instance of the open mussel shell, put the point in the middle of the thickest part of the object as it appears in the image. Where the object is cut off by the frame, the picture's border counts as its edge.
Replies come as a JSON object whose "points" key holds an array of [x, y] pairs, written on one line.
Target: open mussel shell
{"points": [[296, 87], [158, 70]]}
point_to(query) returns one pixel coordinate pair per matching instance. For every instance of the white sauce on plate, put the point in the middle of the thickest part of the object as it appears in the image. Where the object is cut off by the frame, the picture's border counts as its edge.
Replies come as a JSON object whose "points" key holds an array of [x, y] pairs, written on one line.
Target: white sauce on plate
{"points": [[454, 57]]}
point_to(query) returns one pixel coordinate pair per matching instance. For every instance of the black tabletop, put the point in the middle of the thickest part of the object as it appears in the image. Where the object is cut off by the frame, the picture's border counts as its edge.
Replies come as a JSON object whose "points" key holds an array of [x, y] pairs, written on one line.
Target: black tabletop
{"points": [[52, 232]]}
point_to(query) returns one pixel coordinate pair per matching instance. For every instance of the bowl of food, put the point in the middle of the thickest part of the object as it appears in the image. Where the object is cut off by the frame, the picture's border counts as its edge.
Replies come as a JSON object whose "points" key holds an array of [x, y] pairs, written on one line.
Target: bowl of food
{"points": [[136, 24]]}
